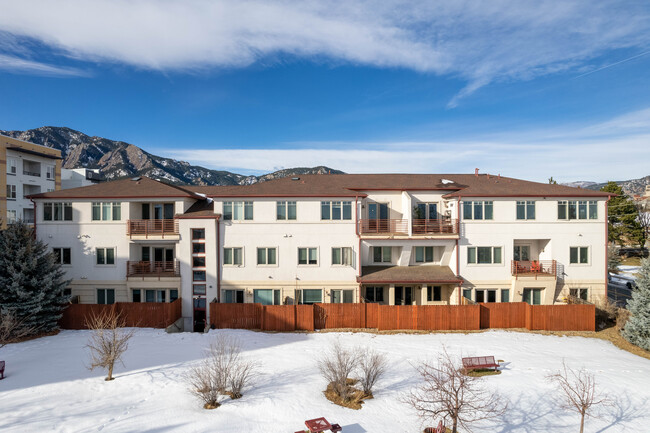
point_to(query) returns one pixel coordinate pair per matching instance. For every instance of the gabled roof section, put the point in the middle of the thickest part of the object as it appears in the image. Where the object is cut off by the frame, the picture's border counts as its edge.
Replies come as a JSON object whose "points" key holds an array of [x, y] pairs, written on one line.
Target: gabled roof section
{"points": [[138, 187], [357, 185], [199, 210], [408, 275]]}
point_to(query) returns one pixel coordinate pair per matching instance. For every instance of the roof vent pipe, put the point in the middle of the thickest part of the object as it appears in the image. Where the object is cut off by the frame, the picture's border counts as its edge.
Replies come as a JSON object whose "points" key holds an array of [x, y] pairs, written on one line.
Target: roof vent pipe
{"points": [[295, 178], [476, 172]]}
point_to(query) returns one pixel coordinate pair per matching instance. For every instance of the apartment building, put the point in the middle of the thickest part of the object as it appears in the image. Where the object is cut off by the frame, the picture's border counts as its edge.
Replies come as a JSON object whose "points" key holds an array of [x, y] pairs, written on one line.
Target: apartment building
{"points": [[25, 169], [397, 239]]}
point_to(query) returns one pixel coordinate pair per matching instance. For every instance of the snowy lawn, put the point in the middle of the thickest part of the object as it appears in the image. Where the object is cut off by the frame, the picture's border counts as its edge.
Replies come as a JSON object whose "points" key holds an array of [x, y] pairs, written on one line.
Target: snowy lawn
{"points": [[48, 388]]}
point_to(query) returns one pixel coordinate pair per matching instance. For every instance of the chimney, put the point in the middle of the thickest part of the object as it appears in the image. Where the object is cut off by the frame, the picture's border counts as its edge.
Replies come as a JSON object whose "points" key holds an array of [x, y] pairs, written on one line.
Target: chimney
{"points": [[476, 172], [488, 175], [499, 176]]}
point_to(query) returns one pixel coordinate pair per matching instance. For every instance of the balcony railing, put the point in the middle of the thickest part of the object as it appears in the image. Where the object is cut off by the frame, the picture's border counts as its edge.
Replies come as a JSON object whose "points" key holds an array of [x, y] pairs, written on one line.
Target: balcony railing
{"points": [[533, 268], [435, 226], [153, 269], [383, 226], [31, 173], [148, 228]]}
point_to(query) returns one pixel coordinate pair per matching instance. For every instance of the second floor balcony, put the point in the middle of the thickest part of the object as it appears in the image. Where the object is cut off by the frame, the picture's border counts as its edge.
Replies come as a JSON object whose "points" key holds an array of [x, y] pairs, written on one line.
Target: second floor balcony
{"points": [[534, 268], [418, 227], [152, 228], [168, 268]]}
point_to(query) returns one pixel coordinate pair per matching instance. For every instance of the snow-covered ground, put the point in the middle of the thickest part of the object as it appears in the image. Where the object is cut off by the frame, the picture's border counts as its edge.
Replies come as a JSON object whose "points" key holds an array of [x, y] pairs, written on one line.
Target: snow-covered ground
{"points": [[48, 388]]}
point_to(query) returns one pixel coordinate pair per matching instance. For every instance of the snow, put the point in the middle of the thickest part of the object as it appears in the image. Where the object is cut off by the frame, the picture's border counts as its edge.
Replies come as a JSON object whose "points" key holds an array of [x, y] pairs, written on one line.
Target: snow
{"points": [[48, 388]]}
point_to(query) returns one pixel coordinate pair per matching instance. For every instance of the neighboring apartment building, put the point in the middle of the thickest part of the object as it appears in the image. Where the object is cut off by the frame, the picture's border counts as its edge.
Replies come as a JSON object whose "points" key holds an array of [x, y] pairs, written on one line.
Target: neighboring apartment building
{"points": [[25, 169], [388, 238], [78, 177]]}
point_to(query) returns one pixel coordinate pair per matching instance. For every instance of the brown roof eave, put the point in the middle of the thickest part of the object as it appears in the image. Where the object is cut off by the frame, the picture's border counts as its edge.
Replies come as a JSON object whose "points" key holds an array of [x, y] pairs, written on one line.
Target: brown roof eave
{"points": [[398, 281]]}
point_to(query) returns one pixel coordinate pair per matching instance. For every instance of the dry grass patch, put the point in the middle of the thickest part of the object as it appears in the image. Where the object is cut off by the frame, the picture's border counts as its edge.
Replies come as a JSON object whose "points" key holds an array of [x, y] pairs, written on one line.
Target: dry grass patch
{"points": [[480, 372], [355, 395]]}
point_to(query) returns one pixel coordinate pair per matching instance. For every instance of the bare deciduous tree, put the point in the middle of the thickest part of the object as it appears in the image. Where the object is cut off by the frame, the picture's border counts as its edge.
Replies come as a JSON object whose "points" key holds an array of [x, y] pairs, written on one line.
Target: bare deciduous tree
{"points": [[12, 329], [578, 389], [447, 393], [223, 372], [337, 366], [372, 366], [108, 341]]}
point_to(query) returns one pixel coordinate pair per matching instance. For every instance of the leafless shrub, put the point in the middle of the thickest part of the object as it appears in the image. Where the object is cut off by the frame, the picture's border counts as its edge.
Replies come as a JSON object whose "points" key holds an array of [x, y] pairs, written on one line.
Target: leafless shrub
{"points": [[12, 329], [223, 372], [108, 341], [337, 366], [578, 389], [372, 366], [447, 393]]}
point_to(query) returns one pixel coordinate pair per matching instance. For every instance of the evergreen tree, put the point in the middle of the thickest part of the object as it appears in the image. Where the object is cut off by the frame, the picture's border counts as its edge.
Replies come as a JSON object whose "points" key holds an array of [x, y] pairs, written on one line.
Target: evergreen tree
{"points": [[624, 224], [637, 328], [31, 280]]}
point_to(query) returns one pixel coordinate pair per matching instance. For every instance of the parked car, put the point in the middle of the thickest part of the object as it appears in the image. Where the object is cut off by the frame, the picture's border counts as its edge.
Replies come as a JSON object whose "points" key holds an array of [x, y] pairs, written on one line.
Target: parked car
{"points": [[633, 252]]}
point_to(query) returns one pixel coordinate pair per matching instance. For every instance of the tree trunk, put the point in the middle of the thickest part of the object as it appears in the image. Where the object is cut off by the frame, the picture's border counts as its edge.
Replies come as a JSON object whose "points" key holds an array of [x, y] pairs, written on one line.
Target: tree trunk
{"points": [[110, 372], [582, 422], [454, 428]]}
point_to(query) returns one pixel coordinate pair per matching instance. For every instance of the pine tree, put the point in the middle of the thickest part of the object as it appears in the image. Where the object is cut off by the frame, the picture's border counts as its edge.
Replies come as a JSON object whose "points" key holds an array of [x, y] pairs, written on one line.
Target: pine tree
{"points": [[624, 225], [31, 281], [637, 328]]}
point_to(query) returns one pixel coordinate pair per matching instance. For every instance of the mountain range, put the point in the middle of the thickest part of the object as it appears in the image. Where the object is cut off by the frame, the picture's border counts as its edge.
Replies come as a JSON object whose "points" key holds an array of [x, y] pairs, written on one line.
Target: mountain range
{"points": [[117, 159]]}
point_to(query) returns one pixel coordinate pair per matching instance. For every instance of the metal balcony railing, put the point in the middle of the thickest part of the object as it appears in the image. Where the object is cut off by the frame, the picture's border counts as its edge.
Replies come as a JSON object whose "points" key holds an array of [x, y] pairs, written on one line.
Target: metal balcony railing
{"points": [[435, 226], [383, 226], [170, 268], [152, 228], [530, 268]]}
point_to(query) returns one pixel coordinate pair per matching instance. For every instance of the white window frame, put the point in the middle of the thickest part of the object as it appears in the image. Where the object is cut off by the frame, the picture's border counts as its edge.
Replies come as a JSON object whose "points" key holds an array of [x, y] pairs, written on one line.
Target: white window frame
{"points": [[11, 191], [12, 166], [526, 204], [482, 204], [233, 264], [286, 204], [229, 215], [342, 204], [105, 289], [50, 172], [105, 249], [110, 206], [578, 206], [272, 265], [11, 219], [64, 206], [309, 250], [492, 262], [344, 263], [579, 254], [424, 254], [342, 296], [61, 261], [382, 254]]}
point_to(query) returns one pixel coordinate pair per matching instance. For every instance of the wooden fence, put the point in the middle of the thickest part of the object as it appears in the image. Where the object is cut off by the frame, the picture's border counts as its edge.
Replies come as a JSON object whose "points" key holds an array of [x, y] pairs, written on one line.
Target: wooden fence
{"points": [[139, 314], [403, 317]]}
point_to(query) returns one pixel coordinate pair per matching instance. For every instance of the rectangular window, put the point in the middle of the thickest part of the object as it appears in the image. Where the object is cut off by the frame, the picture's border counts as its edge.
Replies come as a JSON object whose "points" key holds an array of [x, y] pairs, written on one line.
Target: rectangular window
{"points": [[106, 211], [505, 295], [63, 255], [342, 256], [198, 275], [582, 210], [593, 210], [198, 289], [307, 256], [336, 210], [266, 296], [106, 296], [484, 255], [57, 211], [491, 296], [155, 295], [11, 216], [526, 210], [198, 262], [11, 166], [310, 296], [198, 234], [467, 294], [579, 255], [237, 210], [342, 296], [579, 293], [561, 210], [173, 295], [267, 256], [382, 254], [424, 254], [478, 210], [49, 172], [136, 296], [105, 256], [286, 210], [374, 294], [233, 256], [198, 248], [234, 296], [533, 296], [434, 293], [11, 192]]}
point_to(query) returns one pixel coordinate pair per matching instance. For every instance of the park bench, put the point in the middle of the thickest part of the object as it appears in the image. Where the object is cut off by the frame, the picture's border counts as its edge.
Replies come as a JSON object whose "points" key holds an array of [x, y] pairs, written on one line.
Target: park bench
{"points": [[2, 370], [319, 425], [479, 362], [440, 429]]}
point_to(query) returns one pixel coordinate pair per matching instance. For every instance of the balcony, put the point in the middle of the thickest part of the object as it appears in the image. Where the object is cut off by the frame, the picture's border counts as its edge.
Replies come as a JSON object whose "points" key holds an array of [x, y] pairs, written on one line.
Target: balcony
{"points": [[435, 226], [383, 226], [156, 229], [153, 269], [534, 268], [31, 168]]}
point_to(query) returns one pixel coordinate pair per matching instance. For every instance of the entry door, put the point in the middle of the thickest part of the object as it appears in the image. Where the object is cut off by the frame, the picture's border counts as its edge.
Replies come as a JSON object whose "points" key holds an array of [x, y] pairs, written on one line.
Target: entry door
{"points": [[378, 216], [521, 253], [199, 314], [433, 211]]}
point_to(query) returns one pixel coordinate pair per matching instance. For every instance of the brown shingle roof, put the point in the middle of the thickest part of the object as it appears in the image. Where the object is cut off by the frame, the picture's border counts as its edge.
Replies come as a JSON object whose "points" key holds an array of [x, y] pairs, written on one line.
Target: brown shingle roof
{"points": [[407, 274], [351, 185], [200, 209], [144, 187]]}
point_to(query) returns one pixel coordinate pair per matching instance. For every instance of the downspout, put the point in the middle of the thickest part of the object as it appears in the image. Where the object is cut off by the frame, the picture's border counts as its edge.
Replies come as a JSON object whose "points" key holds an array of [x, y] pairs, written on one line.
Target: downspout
{"points": [[34, 203], [218, 262], [607, 246], [356, 231], [460, 290]]}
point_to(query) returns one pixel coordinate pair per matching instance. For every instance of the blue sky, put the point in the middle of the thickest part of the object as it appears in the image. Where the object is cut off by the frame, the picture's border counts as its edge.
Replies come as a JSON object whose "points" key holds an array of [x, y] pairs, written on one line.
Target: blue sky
{"points": [[529, 89]]}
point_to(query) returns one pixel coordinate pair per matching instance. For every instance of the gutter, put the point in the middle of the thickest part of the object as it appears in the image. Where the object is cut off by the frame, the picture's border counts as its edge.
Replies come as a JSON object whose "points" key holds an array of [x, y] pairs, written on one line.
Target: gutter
{"points": [[218, 262]]}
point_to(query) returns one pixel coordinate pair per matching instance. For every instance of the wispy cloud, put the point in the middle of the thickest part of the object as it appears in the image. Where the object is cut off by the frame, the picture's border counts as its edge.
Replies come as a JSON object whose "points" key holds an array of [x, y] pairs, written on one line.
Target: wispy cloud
{"points": [[16, 64], [478, 41], [587, 153]]}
